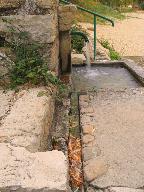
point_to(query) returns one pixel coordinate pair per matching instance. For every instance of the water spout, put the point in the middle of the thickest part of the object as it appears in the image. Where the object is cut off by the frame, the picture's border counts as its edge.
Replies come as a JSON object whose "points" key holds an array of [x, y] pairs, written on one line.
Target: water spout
{"points": [[87, 53]]}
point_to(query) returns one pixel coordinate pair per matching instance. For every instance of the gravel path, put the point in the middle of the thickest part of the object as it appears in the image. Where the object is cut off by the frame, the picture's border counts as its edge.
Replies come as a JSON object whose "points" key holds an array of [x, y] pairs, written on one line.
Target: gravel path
{"points": [[127, 36]]}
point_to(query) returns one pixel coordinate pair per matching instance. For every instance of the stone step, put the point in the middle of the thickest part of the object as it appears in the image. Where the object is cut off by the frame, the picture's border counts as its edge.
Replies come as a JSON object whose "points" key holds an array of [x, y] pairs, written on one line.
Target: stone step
{"points": [[22, 171]]}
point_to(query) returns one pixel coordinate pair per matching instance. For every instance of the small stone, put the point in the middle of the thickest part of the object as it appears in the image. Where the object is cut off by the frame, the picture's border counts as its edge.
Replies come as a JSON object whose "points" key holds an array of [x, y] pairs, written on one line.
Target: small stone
{"points": [[88, 138], [88, 129], [94, 169]]}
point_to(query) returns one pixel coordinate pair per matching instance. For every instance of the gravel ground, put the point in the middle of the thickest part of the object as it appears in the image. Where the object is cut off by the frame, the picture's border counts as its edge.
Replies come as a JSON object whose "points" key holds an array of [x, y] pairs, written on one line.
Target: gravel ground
{"points": [[127, 36]]}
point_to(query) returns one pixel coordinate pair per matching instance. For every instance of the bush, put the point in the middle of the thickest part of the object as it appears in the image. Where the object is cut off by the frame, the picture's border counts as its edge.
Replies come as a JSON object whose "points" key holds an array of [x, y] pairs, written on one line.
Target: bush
{"points": [[29, 66], [142, 6], [112, 53]]}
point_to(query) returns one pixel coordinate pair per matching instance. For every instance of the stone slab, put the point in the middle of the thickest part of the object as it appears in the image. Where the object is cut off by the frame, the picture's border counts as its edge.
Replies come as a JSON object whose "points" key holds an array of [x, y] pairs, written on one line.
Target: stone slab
{"points": [[118, 119], [29, 120], [6, 99], [21, 170]]}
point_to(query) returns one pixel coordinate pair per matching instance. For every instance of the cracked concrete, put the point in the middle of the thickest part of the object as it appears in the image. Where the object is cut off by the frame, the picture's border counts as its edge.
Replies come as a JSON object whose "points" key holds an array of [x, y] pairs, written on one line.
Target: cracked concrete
{"points": [[117, 117]]}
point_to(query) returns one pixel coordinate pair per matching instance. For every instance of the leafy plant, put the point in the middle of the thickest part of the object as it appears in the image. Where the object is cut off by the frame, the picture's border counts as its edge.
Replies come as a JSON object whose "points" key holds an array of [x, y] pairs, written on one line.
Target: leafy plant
{"points": [[29, 66], [114, 55], [77, 41]]}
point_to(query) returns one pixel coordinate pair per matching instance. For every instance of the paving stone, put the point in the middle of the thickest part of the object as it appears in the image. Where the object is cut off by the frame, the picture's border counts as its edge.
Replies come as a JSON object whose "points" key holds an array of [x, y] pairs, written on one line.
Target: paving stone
{"points": [[90, 152], [87, 110], [87, 139], [88, 129], [21, 170], [94, 169]]}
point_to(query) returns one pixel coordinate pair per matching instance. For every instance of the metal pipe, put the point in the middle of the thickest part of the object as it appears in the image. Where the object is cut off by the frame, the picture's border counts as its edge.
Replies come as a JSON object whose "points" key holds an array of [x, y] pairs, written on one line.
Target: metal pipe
{"points": [[80, 34]]}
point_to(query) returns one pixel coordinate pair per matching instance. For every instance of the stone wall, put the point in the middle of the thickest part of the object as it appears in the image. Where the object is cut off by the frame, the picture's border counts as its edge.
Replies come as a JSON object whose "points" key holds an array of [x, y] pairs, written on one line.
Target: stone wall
{"points": [[37, 17], [47, 24]]}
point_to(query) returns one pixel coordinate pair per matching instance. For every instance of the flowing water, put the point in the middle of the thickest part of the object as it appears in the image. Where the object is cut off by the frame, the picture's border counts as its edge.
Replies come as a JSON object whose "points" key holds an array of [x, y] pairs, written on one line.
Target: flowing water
{"points": [[99, 76], [87, 52]]}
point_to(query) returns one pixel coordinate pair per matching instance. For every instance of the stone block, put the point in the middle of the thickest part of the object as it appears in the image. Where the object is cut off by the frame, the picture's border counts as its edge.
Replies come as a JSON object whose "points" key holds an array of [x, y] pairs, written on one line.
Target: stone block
{"points": [[66, 17], [47, 4], [94, 169], [29, 120], [78, 59], [21, 170], [41, 28], [7, 4]]}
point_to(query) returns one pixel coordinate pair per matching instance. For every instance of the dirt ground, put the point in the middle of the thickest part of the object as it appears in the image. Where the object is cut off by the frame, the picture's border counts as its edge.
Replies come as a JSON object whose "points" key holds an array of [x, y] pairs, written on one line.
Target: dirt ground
{"points": [[127, 36]]}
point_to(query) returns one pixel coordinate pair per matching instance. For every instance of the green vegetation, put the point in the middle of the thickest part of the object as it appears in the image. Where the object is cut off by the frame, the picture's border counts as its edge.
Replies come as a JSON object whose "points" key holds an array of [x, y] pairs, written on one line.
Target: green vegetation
{"points": [[114, 55], [29, 66], [98, 7], [142, 5], [77, 41]]}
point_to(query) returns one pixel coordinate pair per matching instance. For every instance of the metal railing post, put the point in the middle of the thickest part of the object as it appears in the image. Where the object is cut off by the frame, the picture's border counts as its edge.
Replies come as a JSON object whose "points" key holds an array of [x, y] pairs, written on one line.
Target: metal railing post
{"points": [[95, 37]]}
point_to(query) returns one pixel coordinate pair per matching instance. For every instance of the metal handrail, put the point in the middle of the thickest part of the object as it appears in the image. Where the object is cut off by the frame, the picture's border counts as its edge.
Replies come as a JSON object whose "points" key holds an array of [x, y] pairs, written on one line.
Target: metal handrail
{"points": [[95, 14]]}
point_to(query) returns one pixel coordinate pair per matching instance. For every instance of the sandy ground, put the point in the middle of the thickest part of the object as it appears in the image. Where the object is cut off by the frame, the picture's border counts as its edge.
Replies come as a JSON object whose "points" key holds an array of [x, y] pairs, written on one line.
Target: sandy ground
{"points": [[127, 36]]}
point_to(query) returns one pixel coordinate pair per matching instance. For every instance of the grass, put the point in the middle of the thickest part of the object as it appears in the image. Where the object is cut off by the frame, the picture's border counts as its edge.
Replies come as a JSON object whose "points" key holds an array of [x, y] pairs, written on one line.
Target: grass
{"points": [[113, 54], [99, 8]]}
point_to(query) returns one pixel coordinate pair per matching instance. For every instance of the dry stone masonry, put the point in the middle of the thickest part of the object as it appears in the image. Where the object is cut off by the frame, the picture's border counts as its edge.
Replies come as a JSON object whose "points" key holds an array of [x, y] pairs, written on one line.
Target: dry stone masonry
{"points": [[26, 118]]}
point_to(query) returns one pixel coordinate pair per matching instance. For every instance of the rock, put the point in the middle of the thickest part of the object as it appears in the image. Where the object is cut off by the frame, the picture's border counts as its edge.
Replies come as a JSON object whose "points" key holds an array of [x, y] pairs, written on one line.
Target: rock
{"points": [[5, 64], [78, 59], [123, 189], [43, 30], [7, 4], [88, 138], [94, 169], [21, 170], [47, 4], [66, 16], [5, 102], [88, 129], [29, 120], [90, 152]]}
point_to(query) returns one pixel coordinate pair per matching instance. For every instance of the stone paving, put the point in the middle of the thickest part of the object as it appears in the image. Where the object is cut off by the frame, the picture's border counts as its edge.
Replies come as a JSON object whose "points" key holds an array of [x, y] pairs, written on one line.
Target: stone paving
{"points": [[112, 134]]}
